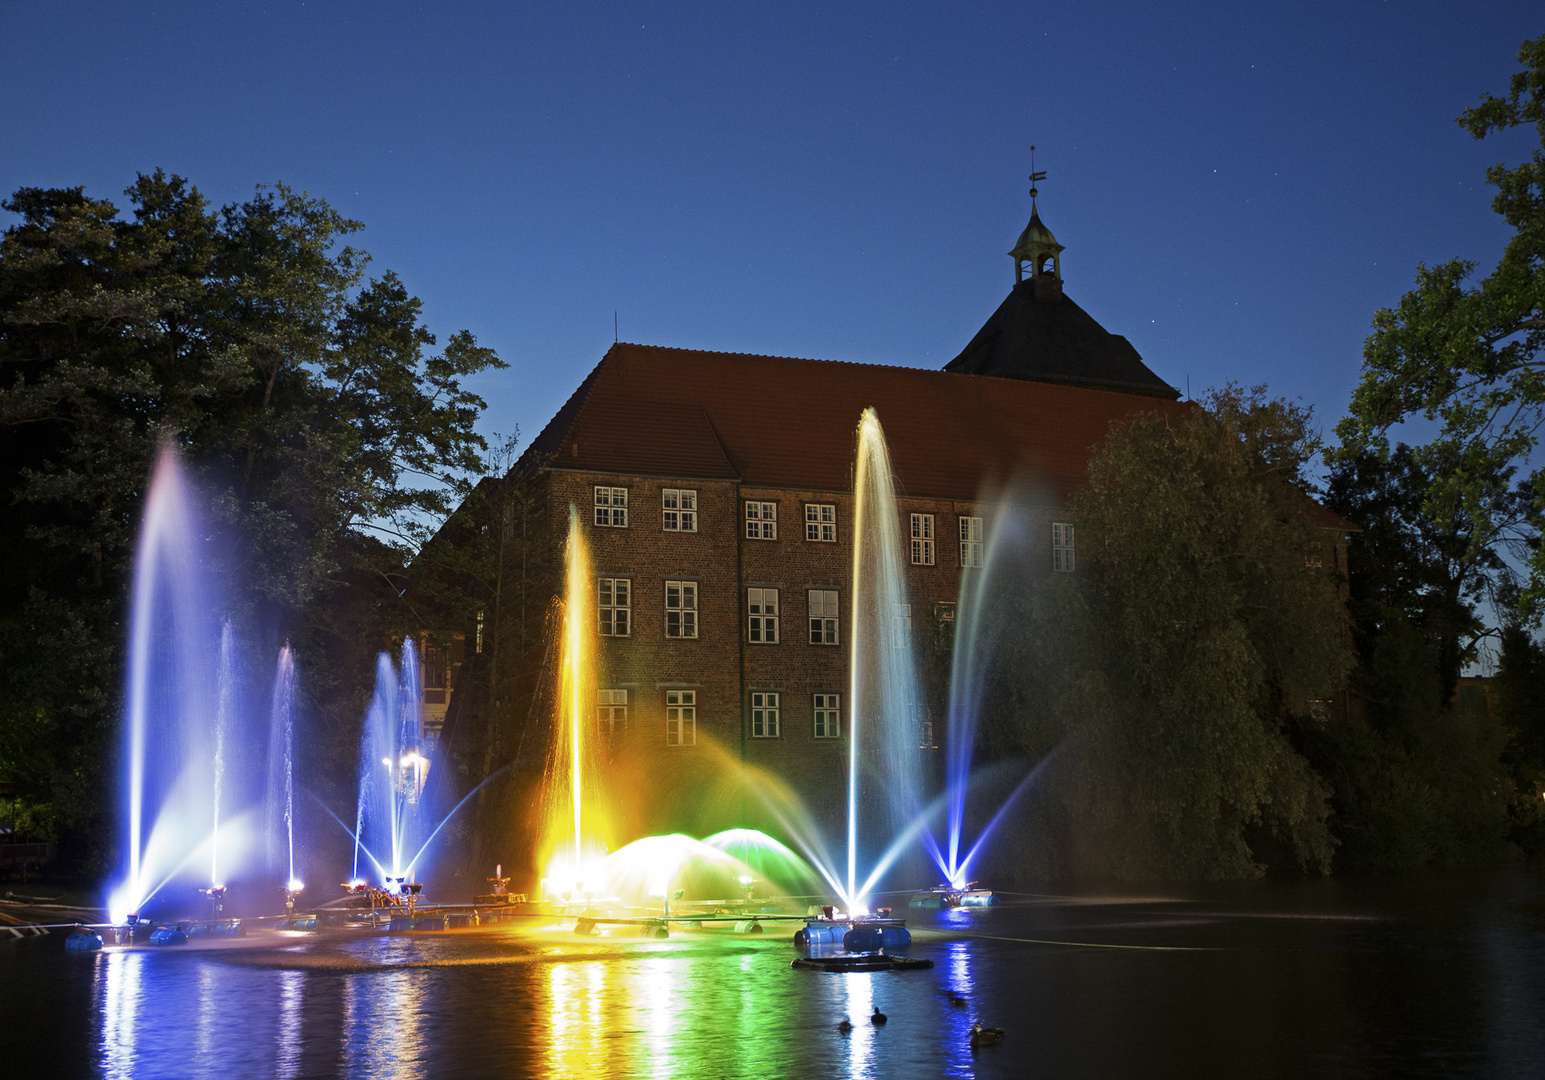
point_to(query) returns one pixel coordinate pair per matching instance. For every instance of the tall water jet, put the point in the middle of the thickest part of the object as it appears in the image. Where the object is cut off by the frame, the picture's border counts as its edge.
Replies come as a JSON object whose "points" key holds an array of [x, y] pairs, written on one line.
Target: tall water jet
{"points": [[571, 805], [224, 718], [576, 591], [280, 801], [883, 690], [170, 694]]}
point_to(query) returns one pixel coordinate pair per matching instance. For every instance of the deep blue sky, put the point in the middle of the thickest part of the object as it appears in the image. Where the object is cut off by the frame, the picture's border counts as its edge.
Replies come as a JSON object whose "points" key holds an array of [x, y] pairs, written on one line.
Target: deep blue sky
{"points": [[1238, 190]]}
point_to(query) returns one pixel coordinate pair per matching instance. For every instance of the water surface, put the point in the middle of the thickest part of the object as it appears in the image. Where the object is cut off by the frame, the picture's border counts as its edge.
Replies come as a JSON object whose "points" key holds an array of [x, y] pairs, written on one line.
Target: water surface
{"points": [[1436, 976]]}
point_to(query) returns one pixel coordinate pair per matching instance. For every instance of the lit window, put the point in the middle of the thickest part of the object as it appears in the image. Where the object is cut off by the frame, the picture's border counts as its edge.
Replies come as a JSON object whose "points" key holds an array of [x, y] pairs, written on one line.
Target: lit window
{"points": [[611, 507], [762, 616], [922, 539], [925, 739], [828, 714], [614, 603], [612, 710], [479, 630], [823, 616], [681, 609], [1061, 546], [680, 510], [681, 718], [901, 626], [761, 521], [764, 716], [970, 541], [821, 522]]}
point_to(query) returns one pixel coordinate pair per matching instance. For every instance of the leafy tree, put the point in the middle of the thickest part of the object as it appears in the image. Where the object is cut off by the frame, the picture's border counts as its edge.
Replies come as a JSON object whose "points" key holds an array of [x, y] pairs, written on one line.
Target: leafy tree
{"points": [[1405, 566], [1197, 636], [1469, 357], [327, 433], [1416, 782], [1519, 686]]}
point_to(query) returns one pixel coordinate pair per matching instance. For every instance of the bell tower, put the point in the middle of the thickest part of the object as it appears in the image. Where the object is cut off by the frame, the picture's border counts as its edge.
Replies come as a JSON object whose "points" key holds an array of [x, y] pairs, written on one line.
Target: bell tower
{"points": [[1038, 247]]}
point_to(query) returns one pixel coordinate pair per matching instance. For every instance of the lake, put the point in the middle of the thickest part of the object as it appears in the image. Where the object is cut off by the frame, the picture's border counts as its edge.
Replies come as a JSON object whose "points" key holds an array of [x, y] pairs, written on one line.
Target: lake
{"points": [[1427, 976]]}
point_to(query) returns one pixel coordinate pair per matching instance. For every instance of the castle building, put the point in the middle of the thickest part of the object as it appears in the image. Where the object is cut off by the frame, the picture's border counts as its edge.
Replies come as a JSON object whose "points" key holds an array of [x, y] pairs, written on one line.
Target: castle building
{"points": [[716, 494]]}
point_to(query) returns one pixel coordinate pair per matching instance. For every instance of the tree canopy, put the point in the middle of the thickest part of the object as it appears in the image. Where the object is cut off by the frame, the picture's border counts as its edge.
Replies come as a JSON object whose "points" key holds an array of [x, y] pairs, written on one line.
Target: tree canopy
{"points": [[309, 399], [1471, 358], [1202, 627]]}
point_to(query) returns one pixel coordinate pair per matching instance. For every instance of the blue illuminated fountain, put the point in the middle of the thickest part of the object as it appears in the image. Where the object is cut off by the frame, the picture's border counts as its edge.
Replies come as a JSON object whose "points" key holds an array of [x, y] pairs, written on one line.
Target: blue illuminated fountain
{"points": [[190, 820], [394, 819]]}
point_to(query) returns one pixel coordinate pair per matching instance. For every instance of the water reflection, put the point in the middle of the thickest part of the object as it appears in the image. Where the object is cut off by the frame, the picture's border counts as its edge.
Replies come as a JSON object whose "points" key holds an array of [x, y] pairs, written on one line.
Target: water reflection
{"points": [[119, 1001], [661, 1002], [287, 1046], [382, 1039], [957, 1021], [576, 1019], [858, 1000], [1278, 983]]}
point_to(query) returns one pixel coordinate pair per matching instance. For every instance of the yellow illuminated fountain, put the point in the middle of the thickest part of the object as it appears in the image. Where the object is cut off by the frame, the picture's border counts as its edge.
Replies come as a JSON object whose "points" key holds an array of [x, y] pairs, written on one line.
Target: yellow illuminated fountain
{"points": [[571, 855]]}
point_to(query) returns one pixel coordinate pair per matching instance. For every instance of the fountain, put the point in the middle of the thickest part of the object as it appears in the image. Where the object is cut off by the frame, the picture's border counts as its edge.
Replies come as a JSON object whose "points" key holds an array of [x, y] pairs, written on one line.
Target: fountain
{"points": [[394, 821], [884, 767], [189, 717], [191, 818]]}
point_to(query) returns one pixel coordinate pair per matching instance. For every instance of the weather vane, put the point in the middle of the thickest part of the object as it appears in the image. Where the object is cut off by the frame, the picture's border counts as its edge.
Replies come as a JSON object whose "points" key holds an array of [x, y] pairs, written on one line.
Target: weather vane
{"points": [[1035, 178]]}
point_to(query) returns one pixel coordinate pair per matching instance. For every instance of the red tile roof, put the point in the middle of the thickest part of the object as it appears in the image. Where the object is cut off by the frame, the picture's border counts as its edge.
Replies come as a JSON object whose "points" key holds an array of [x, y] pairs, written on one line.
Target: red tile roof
{"points": [[778, 422]]}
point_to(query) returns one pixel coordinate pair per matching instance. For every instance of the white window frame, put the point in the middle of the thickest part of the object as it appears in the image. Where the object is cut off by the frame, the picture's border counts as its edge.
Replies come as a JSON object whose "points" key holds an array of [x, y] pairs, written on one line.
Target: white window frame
{"points": [[823, 613], [901, 626], [608, 610], [684, 610], [826, 715], [762, 616], [678, 509], [970, 542], [764, 715], [611, 710], [1062, 547], [922, 540], [611, 507], [821, 523], [761, 520], [681, 718]]}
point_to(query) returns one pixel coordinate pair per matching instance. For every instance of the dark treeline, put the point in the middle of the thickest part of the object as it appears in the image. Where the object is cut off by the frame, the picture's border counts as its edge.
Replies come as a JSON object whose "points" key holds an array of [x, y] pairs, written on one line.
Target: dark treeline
{"points": [[327, 434]]}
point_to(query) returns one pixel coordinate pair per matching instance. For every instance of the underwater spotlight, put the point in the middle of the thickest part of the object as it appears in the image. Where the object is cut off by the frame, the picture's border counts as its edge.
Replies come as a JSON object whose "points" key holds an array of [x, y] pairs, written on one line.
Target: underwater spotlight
{"points": [[415, 887]]}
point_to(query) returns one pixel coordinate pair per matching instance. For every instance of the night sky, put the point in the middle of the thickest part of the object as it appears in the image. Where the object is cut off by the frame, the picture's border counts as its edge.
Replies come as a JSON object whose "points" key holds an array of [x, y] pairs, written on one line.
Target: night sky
{"points": [[1238, 190]]}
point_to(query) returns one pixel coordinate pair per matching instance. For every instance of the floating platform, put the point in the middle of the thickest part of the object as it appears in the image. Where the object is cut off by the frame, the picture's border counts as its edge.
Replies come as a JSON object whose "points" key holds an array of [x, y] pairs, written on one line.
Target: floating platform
{"points": [[862, 962]]}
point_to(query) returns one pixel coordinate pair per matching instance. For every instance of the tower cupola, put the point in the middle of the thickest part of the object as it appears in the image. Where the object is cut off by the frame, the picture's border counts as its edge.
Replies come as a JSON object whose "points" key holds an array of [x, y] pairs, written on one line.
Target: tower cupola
{"points": [[1039, 248]]}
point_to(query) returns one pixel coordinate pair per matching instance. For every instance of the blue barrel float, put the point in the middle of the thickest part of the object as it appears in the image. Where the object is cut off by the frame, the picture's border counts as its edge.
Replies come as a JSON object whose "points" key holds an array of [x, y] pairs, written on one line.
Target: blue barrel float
{"points": [[83, 941], [168, 935], [874, 938], [820, 933]]}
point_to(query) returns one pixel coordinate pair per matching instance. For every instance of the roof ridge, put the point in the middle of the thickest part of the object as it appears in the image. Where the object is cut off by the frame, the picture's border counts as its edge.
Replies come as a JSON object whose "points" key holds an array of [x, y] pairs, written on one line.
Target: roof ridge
{"points": [[772, 356]]}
